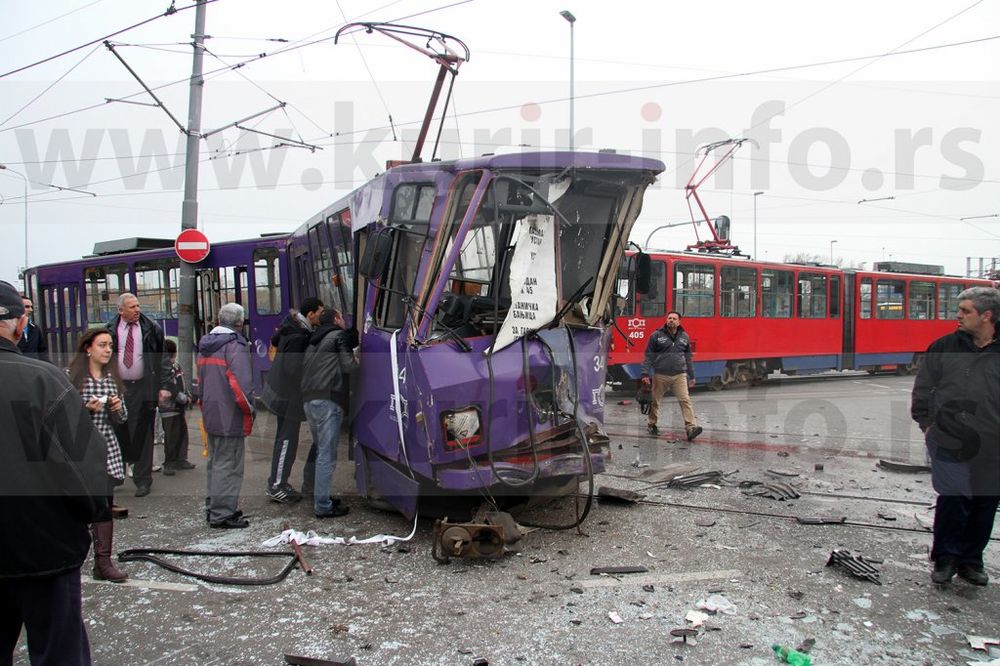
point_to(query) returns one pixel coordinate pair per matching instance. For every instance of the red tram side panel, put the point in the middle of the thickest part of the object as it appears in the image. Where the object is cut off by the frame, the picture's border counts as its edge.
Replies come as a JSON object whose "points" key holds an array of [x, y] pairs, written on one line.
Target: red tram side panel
{"points": [[747, 319]]}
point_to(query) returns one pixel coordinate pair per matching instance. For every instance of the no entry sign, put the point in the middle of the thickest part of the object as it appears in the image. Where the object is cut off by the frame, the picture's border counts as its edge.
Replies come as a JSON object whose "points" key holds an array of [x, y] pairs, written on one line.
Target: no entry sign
{"points": [[191, 246]]}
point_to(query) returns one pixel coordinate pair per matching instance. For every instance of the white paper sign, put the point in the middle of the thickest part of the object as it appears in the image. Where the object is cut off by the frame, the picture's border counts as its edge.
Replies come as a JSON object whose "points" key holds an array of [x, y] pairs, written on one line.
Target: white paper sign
{"points": [[532, 280]]}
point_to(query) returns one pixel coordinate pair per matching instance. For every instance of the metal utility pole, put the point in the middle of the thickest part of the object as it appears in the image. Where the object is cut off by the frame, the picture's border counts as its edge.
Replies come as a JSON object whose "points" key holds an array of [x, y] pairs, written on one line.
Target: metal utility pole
{"points": [[189, 209], [568, 15]]}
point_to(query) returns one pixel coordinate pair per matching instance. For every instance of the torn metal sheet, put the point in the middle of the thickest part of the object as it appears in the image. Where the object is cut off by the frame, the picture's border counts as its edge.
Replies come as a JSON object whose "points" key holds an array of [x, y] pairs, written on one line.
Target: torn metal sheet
{"points": [[900, 466], [596, 571], [618, 495], [693, 480], [856, 566], [773, 490], [297, 660], [668, 473]]}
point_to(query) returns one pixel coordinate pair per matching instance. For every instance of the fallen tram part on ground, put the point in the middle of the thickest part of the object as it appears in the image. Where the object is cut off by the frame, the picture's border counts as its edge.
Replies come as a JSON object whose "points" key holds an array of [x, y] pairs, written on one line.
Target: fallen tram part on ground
{"points": [[857, 566], [150, 555]]}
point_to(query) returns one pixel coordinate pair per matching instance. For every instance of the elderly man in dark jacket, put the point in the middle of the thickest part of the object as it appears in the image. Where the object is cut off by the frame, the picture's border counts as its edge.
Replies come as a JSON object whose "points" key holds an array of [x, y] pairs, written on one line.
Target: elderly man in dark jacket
{"points": [[52, 484], [146, 371], [668, 368], [226, 382], [283, 396], [328, 361], [956, 403]]}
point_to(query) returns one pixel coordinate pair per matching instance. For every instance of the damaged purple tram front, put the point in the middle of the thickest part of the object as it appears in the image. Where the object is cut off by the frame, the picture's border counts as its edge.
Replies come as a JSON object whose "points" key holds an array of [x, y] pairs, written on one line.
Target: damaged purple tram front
{"points": [[483, 302]]}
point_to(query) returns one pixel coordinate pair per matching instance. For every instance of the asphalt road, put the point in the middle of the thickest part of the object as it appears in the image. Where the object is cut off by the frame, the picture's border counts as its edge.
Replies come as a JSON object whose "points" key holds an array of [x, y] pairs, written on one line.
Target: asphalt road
{"points": [[540, 604]]}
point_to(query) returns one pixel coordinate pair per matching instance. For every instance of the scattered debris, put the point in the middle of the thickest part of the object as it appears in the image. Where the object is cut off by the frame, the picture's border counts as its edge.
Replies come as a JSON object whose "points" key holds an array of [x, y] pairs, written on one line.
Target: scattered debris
{"points": [[981, 642], [597, 571], [900, 466], [466, 540], [618, 495], [684, 633], [717, 603], [886, 516], [648, 588], [668, 473], [806, 645], [772, 490], [512, 532], [796, 594], [696, 618], [692, 480], [787, 473], [481, 661], [856, 566], [297, 660], [615, 617], [821, 520], [782, 454], [818, 467], [704, 522]]}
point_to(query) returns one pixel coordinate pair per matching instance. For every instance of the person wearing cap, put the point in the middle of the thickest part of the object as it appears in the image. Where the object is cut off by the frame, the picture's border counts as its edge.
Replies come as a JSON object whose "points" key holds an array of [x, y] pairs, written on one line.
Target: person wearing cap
{"points": [[32, 341], [146, 371], [52, 486]]}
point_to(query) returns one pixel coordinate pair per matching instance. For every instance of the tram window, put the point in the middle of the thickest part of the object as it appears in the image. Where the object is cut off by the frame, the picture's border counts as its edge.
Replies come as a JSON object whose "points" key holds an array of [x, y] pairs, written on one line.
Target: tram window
{"points": [[921, 300], [327, 277], [654, 302], [812, 296], [889, 296], [737, 292], [392, 311], [625, 289], [694, 290], [866, 298], [344, 243], [413, 202], [582, 243], [835, 297], [267, 281], [104, 284], [232, 289], [948, 300], [156, 288], [776, 294]]}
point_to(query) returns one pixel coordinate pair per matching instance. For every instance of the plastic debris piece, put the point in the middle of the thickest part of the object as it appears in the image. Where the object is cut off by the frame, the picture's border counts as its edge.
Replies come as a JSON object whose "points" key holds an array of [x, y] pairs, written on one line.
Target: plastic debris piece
{"points": [[717, 603], [696, 618], [615, 617], [981, 642]]}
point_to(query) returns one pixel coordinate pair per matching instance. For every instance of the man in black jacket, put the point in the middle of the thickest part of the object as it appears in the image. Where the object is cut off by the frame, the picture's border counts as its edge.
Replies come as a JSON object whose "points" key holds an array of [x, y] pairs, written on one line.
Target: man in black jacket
{"points": [[146, 371], [32, 342], [668, 368], [328, 361], [956, 403], [52, 484], [283, 396]]}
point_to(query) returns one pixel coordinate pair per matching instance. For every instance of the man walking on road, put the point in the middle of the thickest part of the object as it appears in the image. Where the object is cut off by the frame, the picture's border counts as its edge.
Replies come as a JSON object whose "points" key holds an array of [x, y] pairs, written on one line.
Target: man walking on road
{"points": [[145, 370], [283, 395], [52, 484], [668, 367], [226, 381], [956, 403]]}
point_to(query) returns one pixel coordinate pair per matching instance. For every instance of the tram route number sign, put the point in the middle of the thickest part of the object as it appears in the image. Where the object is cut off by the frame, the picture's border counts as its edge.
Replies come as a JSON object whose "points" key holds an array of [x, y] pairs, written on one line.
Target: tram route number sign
{"points": [[192, 246]]}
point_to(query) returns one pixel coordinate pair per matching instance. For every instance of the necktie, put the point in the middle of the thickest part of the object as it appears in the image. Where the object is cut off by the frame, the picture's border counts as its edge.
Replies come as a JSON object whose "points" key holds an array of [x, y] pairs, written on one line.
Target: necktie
{"points": [[129, 346]]}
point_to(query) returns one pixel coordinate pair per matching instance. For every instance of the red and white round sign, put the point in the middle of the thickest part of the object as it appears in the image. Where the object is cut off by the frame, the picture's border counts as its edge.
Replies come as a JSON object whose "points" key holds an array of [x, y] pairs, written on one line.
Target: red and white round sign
{"points": [[191, 246]]}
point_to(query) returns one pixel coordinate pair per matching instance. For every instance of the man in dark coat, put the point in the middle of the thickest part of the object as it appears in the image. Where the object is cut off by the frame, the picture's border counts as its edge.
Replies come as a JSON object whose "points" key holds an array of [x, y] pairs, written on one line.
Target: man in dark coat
{"points": [[284, 397], [52, 484], [956, 403], [145, 370], [32, 342], [226, 383], [668, 368]]}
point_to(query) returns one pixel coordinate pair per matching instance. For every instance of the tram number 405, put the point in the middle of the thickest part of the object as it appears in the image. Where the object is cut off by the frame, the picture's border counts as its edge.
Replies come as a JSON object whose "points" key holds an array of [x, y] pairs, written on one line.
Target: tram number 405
{"points": [[637, 335]]}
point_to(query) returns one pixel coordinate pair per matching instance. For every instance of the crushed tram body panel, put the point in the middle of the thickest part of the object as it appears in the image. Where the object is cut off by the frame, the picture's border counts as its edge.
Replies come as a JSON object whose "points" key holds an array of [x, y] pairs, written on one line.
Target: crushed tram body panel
{"points": [[482, 294]]}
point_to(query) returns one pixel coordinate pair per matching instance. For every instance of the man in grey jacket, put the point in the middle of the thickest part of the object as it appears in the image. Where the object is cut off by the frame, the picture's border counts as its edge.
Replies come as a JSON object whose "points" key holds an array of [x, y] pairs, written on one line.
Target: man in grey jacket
{"points": [[226, 384], [668, 367], [329, 359]]}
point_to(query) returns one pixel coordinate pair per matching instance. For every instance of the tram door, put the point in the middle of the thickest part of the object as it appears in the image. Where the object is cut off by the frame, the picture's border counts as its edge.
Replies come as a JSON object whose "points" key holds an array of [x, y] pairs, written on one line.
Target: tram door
{"points": [[62, 318], [216, 287]]}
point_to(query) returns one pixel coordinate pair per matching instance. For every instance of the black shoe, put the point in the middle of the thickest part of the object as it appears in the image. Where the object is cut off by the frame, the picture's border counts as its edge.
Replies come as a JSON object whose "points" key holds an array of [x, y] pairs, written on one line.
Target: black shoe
{"points": [[694, 432], [283, 493], [973, 574], [653, 430], [168, 469], [233, 522], [183, 464], [944, 571], [141, 491], [337, 511]]}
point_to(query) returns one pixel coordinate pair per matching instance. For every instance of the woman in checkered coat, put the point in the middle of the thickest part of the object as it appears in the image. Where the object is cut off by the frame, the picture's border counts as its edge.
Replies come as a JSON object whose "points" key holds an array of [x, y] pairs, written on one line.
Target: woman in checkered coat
{"points": [[94, 373]]}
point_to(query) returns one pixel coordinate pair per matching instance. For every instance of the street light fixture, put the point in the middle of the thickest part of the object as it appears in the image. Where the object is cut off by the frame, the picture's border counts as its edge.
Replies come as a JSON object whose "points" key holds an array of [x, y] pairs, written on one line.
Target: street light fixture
{"points": [[568, 15], [4, 167], [755, 195], [831, 251]]}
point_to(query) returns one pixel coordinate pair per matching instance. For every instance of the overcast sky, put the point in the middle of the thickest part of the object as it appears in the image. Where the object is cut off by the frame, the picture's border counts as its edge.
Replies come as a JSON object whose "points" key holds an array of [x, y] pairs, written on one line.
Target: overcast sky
{"points": [[918, 124]]}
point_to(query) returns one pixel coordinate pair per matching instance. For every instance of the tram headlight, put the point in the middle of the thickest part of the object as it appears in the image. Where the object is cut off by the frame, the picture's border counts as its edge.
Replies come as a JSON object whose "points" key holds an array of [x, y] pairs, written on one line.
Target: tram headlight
{"points": [[462, 428]]}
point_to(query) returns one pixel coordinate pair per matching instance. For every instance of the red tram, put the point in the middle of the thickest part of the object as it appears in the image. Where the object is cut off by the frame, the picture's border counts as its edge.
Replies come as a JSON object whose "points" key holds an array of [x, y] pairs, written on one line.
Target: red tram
{"points": [[747, 318]]}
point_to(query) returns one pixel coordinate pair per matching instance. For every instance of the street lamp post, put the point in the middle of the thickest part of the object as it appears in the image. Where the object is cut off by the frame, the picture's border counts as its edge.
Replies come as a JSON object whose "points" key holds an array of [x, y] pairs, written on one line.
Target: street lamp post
{"points": [[25, 179], [755, 195], [831, 251], [568, 15]]}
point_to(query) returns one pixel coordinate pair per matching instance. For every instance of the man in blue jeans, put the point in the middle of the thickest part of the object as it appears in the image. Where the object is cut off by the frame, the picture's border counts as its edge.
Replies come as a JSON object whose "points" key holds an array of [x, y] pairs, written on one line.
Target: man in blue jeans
{"points": [[956, 403], [328, 361]]}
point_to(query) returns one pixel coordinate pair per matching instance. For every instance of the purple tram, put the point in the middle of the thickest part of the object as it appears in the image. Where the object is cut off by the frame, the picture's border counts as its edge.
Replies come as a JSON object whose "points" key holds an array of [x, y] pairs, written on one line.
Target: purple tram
{"points": [[482, 293], [72, 296]]}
